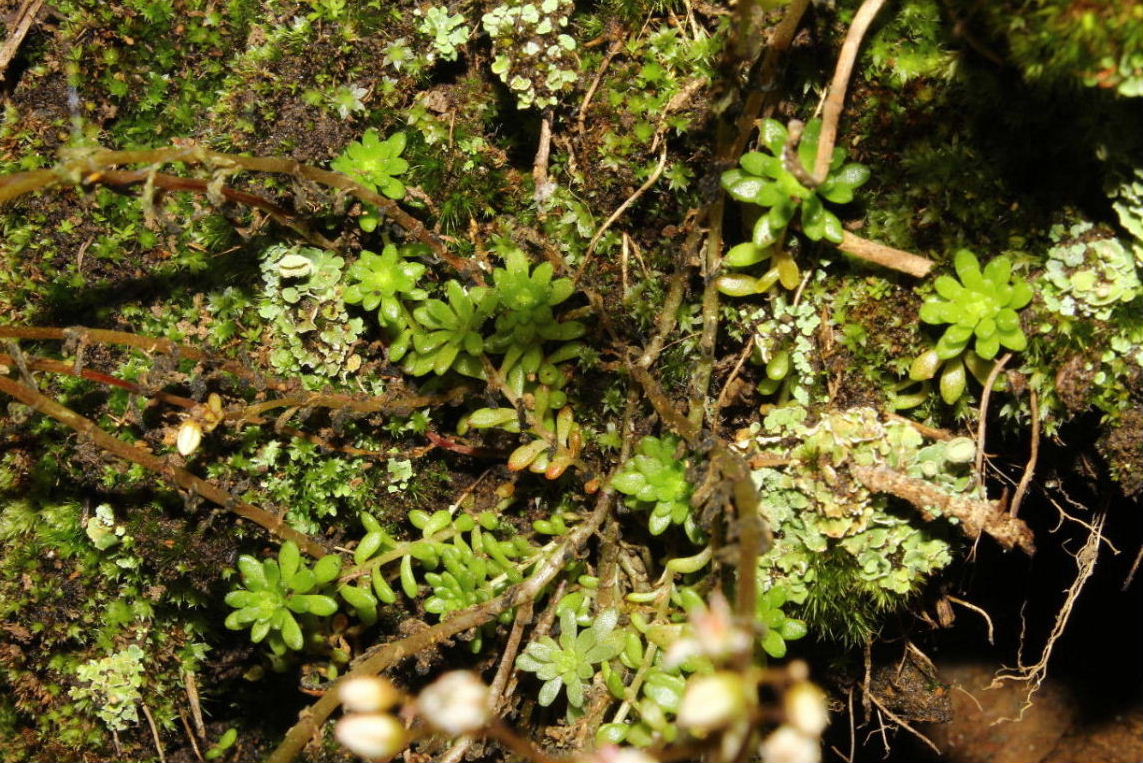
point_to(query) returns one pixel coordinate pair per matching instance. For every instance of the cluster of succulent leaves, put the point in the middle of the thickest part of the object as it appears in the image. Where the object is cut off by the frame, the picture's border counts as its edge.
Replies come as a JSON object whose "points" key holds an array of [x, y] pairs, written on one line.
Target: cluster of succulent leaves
{"points": [[570, 662], [532, 54], [982, 310], [778, 626], [656, 480], [304, 303], [274, 590], [765, 180], [375, 163], [377, 281], [445, 31], [833, 535], [463, 563]]}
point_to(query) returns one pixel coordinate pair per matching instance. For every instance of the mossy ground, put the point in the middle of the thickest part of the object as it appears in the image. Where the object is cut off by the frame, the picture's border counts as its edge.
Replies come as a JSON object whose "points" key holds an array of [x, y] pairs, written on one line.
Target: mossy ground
{"points": [[942, 125]]}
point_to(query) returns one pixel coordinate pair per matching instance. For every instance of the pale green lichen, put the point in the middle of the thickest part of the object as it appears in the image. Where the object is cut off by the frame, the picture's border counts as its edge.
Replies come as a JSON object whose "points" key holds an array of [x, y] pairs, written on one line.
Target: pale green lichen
{"points": [[827, 524], [112, 686], [1090, 277], [308, 321]]}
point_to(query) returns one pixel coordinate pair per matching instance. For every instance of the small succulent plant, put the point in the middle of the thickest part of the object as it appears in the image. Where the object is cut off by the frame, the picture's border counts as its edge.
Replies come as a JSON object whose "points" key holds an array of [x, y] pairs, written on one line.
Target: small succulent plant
{"points": [[764, 179], [981, 310], [526, 298], [447, 334], [780, 628], [377, 280], [375, 163], [276, 589], [571, 661], [446, 31], [655, 478]]}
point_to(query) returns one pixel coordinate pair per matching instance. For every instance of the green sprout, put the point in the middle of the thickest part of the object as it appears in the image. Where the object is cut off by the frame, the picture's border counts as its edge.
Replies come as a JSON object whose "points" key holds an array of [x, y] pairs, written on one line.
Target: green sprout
{"points": [[527, 299], [981, 308], [780, 628], [764, 179], [656, 478], [447, 334], [375, 163], [378, 279], [274, 590], [571, 661]]}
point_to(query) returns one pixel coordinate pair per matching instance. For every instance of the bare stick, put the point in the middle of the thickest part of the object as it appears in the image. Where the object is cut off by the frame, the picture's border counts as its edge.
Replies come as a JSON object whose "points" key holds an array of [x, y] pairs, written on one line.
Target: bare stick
{"points": [[836, 100], [22, 22], [886, 256], [982, 425], [181, 477], [1033, 456]]}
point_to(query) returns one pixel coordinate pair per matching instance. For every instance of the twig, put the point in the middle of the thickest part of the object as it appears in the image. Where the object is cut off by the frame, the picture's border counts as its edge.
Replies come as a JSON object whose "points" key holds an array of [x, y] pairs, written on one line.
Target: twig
{"points": [[978, 610], [836, 100], [154, 731], [18, 30], [390, 654], [181, 477], [742, 356], [976, 516], [1033, 456], [190, 734], [540, 183], [997, 367], [1134, 569], [616, 46], [191, 686], [886, 256]]}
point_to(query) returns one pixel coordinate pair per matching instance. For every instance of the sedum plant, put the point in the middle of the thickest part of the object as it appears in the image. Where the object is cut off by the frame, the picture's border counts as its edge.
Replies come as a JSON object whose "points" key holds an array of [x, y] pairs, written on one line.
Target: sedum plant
{"points": [[377, 281], [275, 590], [375, 163], [571, 660], [765, 180], [444, 30], [656, 479], [447, 334], [980, 309], [526, 299]]}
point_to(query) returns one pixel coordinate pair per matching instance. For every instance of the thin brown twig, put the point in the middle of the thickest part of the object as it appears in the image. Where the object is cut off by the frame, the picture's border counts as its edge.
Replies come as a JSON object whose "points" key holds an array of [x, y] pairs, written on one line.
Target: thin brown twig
{"points": [[980, 611], [902, 722], [836, 100], [982, 425], [19, 26], [886, 256], [1033, 456]]}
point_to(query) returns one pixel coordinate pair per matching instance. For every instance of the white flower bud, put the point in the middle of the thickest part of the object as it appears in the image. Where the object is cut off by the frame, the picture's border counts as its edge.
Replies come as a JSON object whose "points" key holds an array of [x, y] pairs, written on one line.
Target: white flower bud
{"points": [[806, 708], [712, 702], [611, 753], [373, 735], [189, 437], [456, 703], [367, 694], [788, 745]]}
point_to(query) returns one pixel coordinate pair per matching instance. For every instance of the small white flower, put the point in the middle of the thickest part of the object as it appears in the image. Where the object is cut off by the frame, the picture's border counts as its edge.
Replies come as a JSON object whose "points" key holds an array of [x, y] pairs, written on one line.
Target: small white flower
{"points": [[456, 703], [189, 437], [367, 694], [372, 735], [711, 702], [806, 708], [714, 634], [788, 745]]}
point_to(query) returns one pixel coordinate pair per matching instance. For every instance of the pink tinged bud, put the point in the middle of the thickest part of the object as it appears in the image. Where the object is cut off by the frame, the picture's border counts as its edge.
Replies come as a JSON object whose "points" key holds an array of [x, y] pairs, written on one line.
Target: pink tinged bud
{"points": [[374, 735], [456, 703]]}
